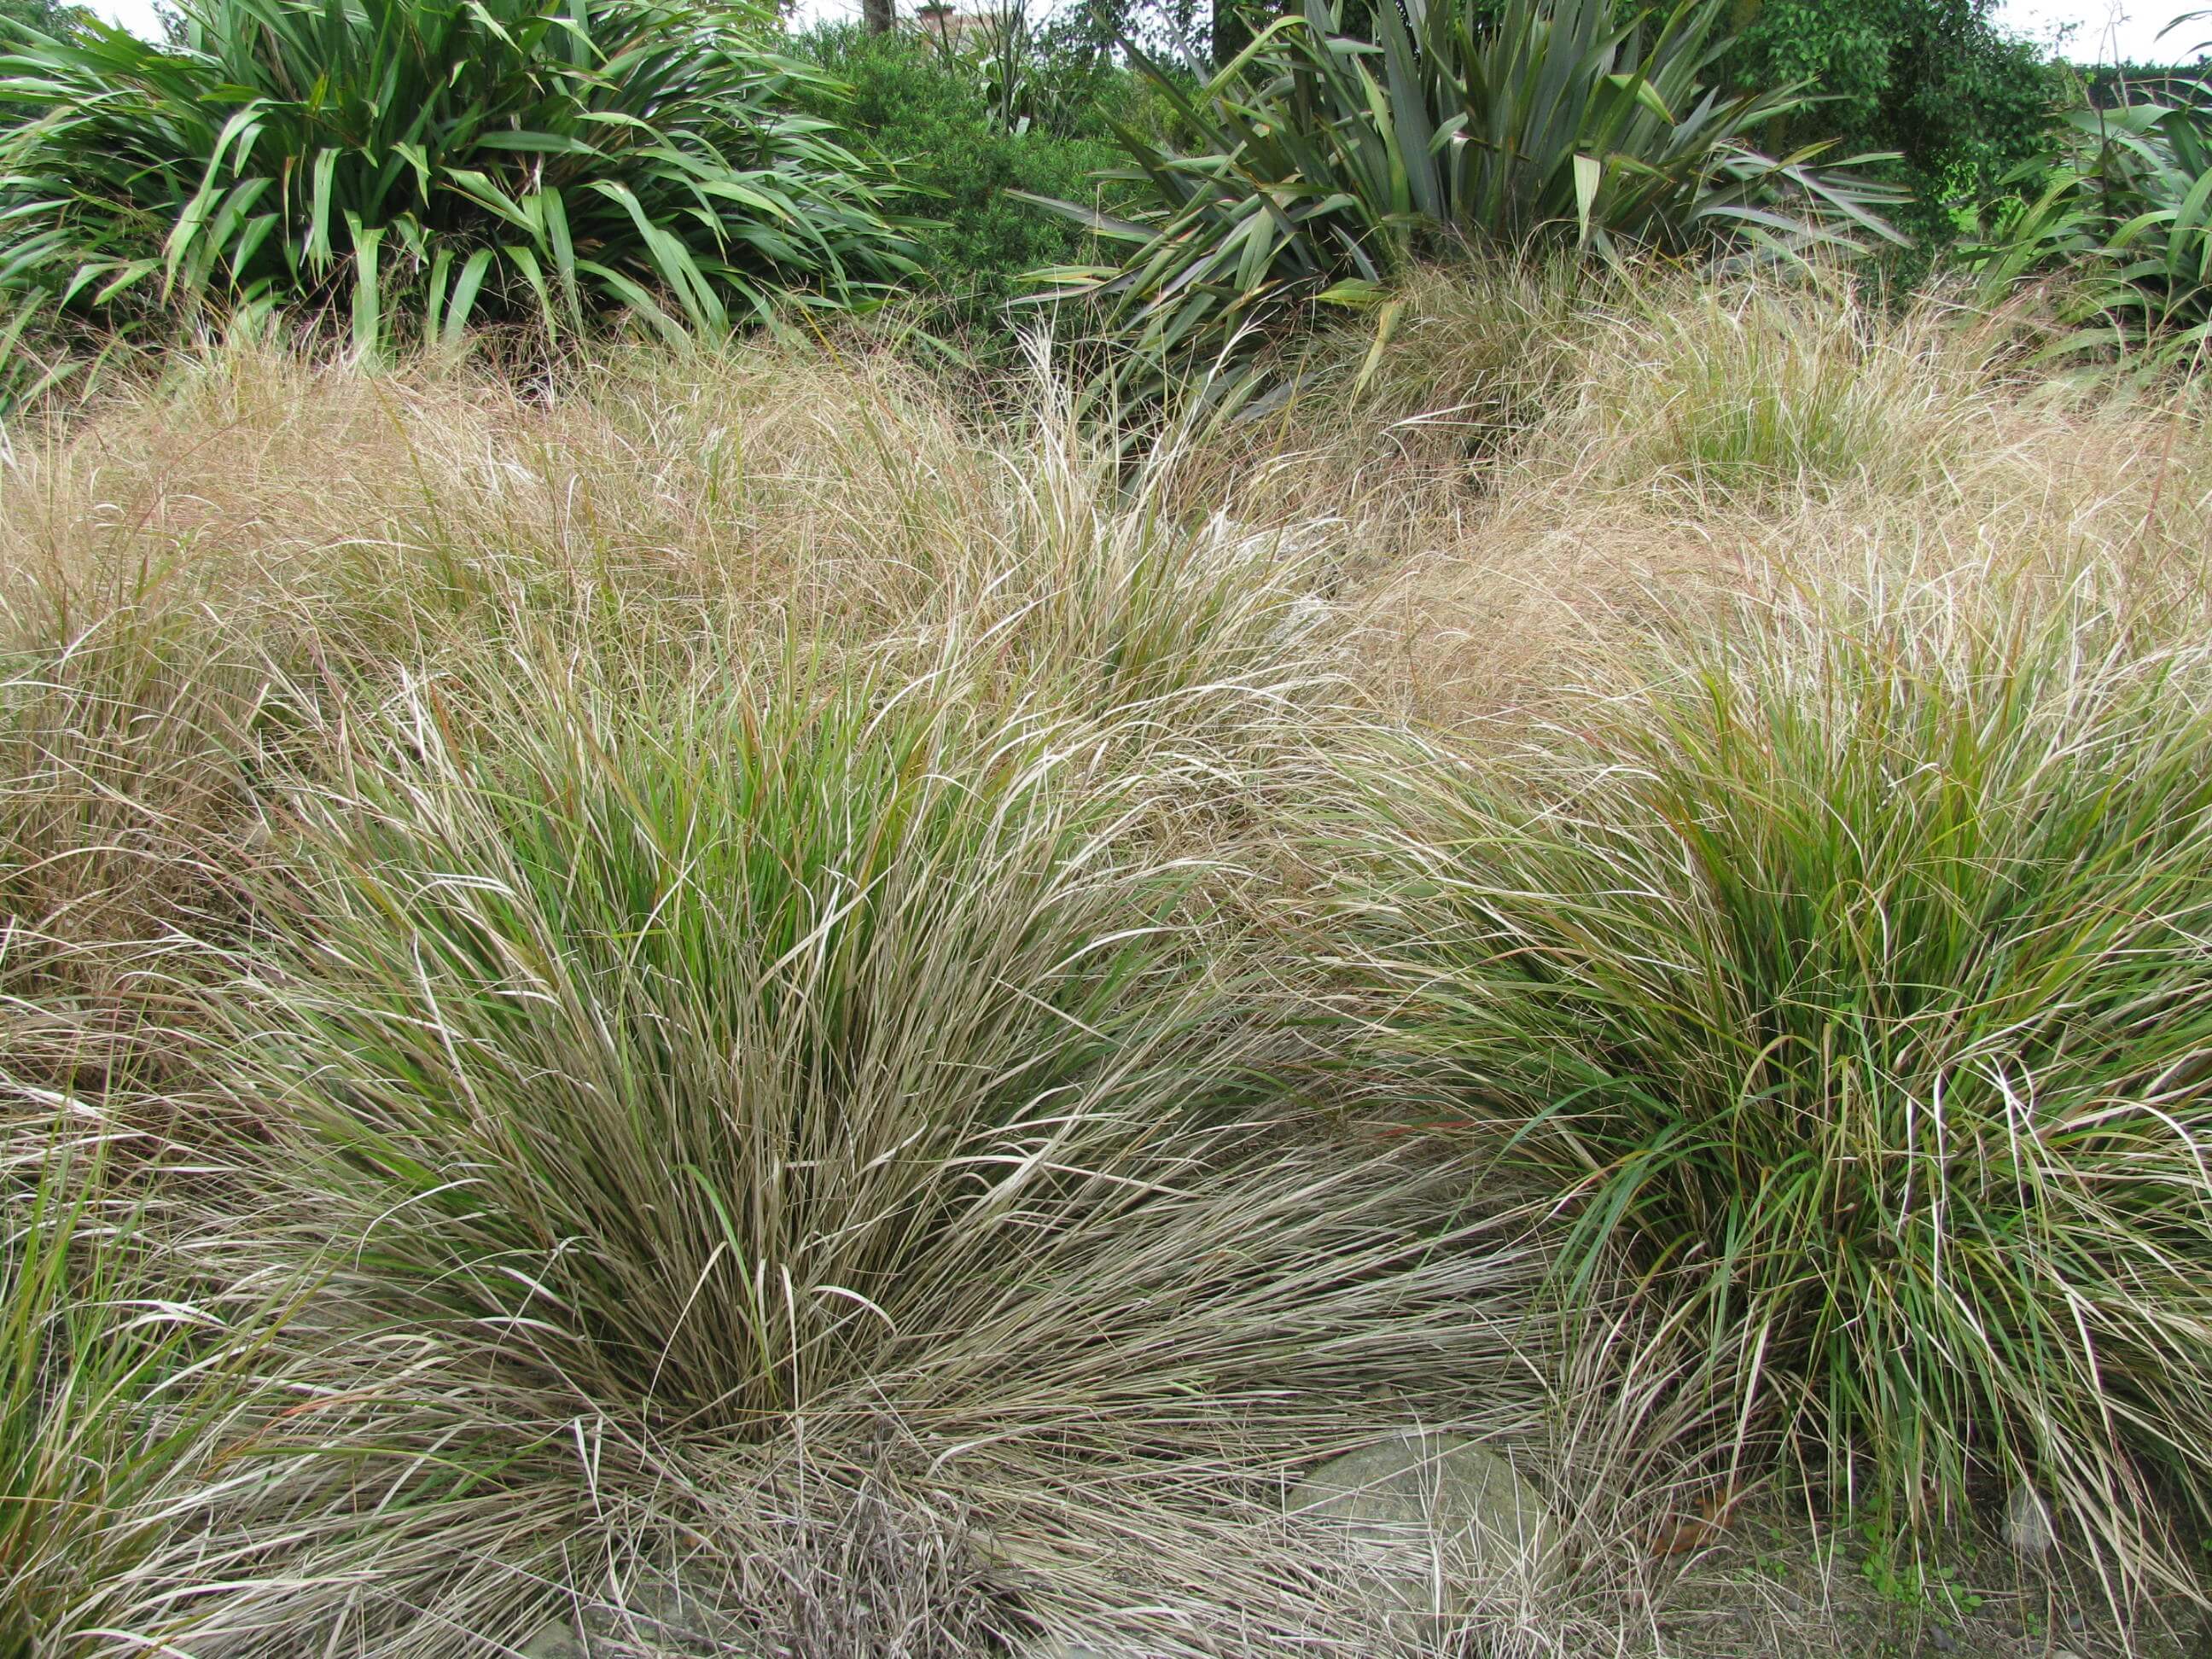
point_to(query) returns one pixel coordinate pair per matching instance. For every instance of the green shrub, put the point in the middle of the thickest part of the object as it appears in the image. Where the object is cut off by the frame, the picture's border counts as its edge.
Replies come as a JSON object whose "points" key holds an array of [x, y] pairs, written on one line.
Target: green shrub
{"points": [[932, 113], [426, 165], [1961, 102], [1325, 164], [47, 17], [1857, 989]]}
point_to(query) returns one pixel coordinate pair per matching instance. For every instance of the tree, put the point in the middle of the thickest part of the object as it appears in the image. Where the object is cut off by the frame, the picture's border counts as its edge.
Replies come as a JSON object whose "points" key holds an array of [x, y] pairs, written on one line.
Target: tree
{"points": [[879, 14], [1936, 81], [1232, 30], [46, 16]]}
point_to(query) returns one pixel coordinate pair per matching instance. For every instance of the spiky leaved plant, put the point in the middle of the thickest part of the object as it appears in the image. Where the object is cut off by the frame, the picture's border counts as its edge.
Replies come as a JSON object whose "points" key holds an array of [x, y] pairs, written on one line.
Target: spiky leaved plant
{"points": [[421, 166], [1325, 161], [2124, 216]]}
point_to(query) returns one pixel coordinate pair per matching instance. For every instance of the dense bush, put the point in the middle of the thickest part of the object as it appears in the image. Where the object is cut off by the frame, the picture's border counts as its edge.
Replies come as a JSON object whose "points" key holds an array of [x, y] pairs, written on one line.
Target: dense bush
{"points": [[1327, 163], [1961, 102], [1855, 983], [427, 165], [952, 126]]}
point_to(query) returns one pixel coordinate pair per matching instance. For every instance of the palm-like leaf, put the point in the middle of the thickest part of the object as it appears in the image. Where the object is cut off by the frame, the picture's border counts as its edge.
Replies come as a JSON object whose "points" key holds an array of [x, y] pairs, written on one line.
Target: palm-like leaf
{"points": [[1327, 161], [430, 164], [2127, 211]]}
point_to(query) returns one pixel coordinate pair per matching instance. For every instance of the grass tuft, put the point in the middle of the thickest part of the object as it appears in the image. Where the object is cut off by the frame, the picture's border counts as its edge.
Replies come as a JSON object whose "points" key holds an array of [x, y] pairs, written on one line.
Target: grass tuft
{"points": [[700, 1053], [1852, 978], [729, 985]]}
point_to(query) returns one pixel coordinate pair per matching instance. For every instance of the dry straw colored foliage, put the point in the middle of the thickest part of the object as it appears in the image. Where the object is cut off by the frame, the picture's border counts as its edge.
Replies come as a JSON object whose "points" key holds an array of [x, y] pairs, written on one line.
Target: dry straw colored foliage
{"points": [[724, 969], [1702, 447]]}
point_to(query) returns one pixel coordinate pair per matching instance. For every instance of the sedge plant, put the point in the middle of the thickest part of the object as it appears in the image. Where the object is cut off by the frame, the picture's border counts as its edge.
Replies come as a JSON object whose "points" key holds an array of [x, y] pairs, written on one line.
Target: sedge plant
{"points": [[697, 1052], [1855, 989], [124, 1393]]}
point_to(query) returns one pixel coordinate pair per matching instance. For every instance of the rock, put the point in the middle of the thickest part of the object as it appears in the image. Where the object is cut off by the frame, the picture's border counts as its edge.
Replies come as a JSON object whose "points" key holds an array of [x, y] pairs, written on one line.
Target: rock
{"points": [[1445, 1504], [650, 1618], [2027, 1522], [1940, 1638], [553, 1639]]}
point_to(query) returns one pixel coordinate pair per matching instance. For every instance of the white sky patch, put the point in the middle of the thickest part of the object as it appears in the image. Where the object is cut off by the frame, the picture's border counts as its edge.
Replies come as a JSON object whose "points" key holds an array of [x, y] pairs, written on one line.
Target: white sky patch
{"points": [[137, 16], [2100, 31]]}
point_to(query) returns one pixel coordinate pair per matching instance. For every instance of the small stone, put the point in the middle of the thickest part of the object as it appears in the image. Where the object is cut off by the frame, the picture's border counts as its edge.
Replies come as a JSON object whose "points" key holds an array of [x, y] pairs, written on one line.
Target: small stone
{"points": [[648, 1616], [553, 1639], [1428, 1489], [2027, 1522], [1940, 1639]]}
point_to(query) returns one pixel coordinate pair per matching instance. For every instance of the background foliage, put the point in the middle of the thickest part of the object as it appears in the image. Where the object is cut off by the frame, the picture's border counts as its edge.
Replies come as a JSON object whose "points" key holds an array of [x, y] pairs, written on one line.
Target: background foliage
{"points": [[2123, 215], [47, 17], [1325, 164], [426, 165], [969, 126], [1939, 82], [1962, 102]]}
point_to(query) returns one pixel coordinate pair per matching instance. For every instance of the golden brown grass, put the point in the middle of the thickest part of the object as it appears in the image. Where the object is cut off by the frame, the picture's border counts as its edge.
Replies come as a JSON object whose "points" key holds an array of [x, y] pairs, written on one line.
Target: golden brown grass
{"points": [[266, 614], [276, 630], [1703, 448]]}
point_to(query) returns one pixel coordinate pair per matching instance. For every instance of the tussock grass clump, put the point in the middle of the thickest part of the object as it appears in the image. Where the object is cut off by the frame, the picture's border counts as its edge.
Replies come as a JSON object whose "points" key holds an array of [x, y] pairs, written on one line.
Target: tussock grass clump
{"points": [[1103, 595], [694, 1049], [1752, 392], [175, 611], [1471, 356], [113, 782], [1597, 535], [1854, 977], [1392, 424], [845, 1104], [128, 1393], [742, 925]]}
